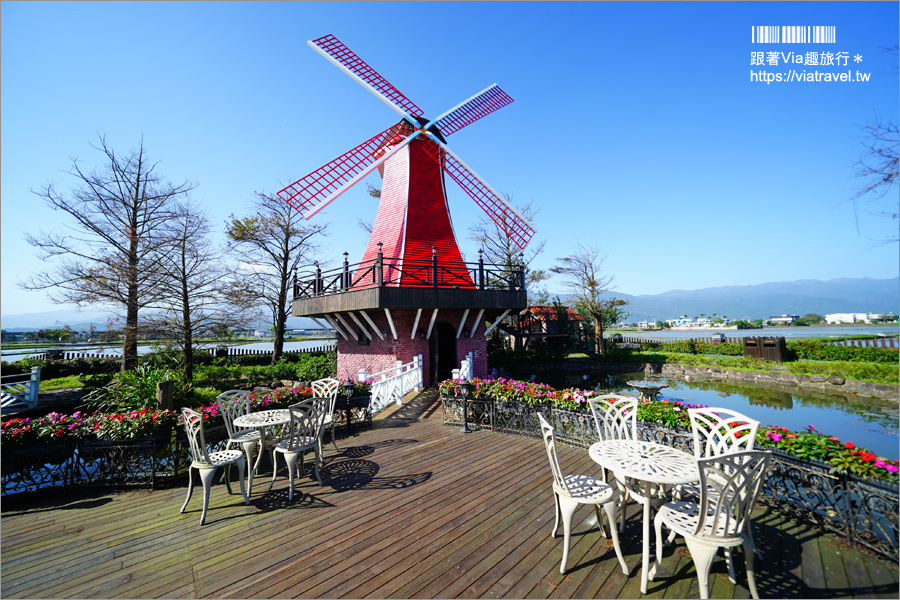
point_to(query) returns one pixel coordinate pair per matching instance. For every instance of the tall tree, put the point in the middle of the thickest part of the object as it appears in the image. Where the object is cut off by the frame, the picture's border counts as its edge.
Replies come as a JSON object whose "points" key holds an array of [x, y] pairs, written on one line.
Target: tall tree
{"points": [[193, 284], [273, 243], [583, 274], [110, 255]]}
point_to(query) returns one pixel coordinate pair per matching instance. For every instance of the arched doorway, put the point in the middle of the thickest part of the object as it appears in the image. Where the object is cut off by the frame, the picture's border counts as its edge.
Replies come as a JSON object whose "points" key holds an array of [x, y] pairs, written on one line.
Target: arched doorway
{"points": [[442, 351]]}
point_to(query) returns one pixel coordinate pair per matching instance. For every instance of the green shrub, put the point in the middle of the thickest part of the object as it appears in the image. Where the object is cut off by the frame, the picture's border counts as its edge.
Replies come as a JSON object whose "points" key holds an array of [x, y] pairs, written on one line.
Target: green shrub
{"points": [[134, 390], [822, 350], [692, 346], [56, 368], [881, 373]]}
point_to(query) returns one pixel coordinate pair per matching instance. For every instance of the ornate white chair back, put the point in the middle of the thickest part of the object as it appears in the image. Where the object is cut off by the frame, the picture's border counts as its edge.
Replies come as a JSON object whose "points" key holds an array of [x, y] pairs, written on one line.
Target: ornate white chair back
{"points": [[327, 388], [721, 431], [550, 445], [233, 404], [615, 416], [307, 421], [193, 426], [729, 485]]}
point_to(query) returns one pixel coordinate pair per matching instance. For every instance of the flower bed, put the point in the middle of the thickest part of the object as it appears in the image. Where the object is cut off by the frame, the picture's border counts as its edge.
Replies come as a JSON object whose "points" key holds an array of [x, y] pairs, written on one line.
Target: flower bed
{"points": [[844, 457], [141, 447]]}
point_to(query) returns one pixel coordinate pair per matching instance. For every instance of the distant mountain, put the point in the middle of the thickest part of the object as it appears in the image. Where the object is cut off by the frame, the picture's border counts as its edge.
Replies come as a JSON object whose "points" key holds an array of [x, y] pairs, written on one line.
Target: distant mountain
{"points": [[736, 302], [770, 299]]}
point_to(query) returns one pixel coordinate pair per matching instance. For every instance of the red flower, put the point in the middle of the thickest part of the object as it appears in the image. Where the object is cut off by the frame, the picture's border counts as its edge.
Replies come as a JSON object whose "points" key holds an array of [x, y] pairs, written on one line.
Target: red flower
{"points": [[849, 445], [867, 456]]}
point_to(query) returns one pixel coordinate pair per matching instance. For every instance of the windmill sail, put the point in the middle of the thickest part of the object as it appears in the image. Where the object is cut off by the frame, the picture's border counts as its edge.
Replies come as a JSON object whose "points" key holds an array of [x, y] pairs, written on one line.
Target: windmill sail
{"points": [[311, 193], [480, 105], [517, 227], [347, 61]]}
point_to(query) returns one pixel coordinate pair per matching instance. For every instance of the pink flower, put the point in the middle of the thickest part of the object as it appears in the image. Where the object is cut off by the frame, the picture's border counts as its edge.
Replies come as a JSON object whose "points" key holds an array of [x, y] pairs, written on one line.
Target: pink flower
{"points": [[891, 468], [775, 436]]}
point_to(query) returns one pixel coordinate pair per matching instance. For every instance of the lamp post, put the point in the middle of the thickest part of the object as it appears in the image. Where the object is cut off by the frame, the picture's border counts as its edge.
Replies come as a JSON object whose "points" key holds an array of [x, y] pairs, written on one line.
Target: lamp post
{"points": [[464, 390], [348, 392]]}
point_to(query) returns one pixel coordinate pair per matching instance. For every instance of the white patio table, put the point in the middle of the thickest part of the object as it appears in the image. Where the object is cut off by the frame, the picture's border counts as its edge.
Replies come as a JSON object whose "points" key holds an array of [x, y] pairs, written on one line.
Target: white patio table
{"points": [[262, 420], [650, 463]]}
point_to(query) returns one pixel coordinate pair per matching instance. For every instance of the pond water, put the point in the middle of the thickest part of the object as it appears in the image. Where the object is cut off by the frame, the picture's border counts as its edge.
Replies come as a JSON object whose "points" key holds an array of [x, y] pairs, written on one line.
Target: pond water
{"points": [[868, 422]]}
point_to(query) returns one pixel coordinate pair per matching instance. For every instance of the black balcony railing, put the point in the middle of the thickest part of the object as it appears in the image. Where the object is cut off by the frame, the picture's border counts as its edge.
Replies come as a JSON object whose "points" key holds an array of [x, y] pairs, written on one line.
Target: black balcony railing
{"points": [[395, 272]]}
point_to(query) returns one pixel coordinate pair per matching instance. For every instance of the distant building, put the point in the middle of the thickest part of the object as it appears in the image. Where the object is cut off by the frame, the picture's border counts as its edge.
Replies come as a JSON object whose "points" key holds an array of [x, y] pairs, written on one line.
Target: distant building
{"points": [[835, 318], [783, 319]]}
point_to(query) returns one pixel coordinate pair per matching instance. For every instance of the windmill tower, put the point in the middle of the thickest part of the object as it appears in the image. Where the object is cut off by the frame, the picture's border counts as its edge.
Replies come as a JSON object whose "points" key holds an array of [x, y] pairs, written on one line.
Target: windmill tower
{"points": [[411, 293]]}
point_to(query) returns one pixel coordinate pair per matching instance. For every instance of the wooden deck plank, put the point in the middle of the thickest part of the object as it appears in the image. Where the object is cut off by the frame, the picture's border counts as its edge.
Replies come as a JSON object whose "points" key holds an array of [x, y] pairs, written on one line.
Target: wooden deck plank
{"points": [[448, 526], [833, 566], [403, 513], [411, 518]]}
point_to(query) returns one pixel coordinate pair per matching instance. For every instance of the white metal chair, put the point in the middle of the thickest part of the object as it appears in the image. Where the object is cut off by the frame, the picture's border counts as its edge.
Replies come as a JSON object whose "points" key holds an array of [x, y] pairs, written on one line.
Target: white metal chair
{"points": [[615, 418], [207, 462], [718, 431], [729, 486], [328, 388], [233, 404], [304, 433], [571, 490]]}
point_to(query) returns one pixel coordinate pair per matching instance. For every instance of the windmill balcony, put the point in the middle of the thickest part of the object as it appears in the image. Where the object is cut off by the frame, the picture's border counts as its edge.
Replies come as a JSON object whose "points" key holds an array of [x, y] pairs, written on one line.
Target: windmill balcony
{"points": [[405, 284]]}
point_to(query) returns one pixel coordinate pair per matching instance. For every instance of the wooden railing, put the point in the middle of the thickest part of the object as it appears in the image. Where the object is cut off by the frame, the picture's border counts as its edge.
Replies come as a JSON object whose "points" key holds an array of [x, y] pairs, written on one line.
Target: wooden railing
{"points": [[20, 390], [391, 385], [436, 274]]}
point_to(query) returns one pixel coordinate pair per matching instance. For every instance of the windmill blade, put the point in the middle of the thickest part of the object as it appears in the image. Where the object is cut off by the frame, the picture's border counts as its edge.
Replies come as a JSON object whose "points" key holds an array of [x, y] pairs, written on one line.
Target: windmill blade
{"points": [[347, 61], [517, 227], [467, 112], [312, 193]]}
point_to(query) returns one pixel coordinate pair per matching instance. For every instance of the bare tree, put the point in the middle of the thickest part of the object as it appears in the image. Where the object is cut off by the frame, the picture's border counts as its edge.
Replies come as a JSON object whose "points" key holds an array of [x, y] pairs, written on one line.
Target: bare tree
{"points": [[499, 248], [583, 274], [879, 166], [193, 283], [273, 244], [110, 256]]}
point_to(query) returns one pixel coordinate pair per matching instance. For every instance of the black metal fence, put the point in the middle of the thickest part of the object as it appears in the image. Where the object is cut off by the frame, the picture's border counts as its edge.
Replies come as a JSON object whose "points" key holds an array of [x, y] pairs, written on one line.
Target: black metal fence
{"points": [[436, 273], [864, 511]]}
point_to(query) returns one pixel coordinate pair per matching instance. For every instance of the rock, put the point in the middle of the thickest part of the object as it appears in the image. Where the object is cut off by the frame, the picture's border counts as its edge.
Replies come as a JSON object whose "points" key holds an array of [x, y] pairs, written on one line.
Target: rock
{"points": [[818, 378], [836, 380]]}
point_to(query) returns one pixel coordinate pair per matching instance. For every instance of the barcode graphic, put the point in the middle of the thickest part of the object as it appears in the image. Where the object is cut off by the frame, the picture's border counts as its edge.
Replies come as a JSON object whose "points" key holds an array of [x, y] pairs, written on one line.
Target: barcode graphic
{"points": [[793, 34]]}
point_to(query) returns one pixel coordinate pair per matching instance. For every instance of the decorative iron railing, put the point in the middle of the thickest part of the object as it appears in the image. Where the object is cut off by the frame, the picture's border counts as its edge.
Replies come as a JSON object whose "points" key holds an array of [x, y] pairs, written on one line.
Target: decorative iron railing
{"points": [[151, 462], [381, 272], [864, 511]]}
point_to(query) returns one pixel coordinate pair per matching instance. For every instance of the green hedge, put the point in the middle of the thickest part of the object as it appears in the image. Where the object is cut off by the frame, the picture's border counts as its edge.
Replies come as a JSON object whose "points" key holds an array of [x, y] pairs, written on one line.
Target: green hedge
{"points": [[56, 368], [796, 350], [820, 350]]}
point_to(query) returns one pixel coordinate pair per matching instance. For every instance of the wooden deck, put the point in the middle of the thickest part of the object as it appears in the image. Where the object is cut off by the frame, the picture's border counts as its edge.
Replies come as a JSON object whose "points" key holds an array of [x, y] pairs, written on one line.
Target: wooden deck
{"points": [[410, 509]]}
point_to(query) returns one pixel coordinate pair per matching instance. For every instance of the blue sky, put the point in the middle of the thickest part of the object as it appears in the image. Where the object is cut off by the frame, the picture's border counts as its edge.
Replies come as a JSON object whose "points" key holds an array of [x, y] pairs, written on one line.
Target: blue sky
{"points": [[635, 126]]}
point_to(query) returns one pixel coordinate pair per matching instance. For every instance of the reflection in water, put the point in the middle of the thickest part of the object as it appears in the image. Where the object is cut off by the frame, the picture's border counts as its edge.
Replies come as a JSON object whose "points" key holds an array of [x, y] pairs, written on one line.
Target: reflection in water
{"points": [[868, 422]]}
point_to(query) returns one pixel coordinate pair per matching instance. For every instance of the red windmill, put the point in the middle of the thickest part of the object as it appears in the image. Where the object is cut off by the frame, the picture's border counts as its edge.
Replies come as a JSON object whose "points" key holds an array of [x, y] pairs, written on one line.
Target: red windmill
{"points": [[412, 244]]}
